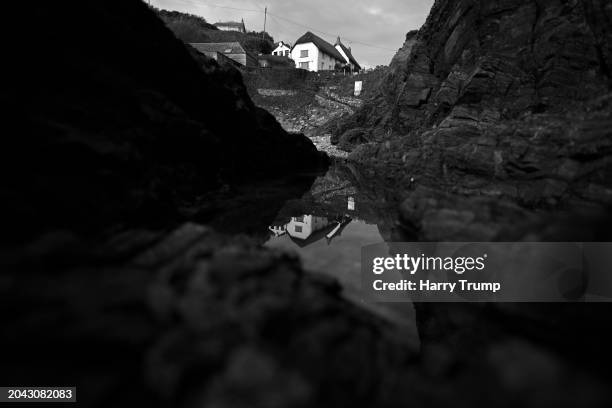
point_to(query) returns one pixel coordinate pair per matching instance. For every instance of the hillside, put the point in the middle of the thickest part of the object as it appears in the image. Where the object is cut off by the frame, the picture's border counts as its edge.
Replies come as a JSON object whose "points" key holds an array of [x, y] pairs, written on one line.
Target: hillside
{"points": [[192, 29], [187, 27], [311, 103]]}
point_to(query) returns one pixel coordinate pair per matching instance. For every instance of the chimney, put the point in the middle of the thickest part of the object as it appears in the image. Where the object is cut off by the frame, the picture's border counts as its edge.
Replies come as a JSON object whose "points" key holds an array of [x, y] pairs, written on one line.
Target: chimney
{"points": [[338, 41]]}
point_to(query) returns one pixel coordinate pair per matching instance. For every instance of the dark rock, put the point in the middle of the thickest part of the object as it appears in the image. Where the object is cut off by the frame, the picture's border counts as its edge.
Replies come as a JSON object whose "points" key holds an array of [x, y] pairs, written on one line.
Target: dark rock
{"points": [[195, 319], [351, 138], [508, 56], [506, 100], [124, 121]]}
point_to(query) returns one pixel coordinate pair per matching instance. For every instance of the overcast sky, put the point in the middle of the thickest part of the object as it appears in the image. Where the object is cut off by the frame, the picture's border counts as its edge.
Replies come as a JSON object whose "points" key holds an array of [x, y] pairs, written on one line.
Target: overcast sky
{"points": [[379, 23]]}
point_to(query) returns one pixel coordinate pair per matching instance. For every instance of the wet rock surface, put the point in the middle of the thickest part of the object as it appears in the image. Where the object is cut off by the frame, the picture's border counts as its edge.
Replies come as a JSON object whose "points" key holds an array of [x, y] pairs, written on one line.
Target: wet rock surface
{"points": [[190, 318]]}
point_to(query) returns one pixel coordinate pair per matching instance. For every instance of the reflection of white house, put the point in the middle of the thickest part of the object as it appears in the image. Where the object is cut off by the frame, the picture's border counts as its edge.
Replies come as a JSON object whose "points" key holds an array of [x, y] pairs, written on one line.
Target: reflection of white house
{"points": [[313, 53], [303, 227], [278, 230], [282, 50]]}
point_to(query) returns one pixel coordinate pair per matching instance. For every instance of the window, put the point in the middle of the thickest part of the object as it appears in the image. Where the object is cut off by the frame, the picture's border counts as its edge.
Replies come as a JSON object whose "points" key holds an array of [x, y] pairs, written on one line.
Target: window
{"points": [[304, 65], [298, 228], [304, 54], [286, 53]]}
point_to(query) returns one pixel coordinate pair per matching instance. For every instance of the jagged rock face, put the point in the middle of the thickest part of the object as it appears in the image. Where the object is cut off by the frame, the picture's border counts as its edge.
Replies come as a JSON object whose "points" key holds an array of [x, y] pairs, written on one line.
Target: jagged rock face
{"points": [[508, 56], [400, 59], [115, 117], [507, 100]]}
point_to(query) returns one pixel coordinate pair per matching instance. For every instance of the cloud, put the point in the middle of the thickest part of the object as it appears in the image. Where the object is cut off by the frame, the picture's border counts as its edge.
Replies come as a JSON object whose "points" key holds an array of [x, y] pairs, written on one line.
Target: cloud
{"points": [[382, 24]]}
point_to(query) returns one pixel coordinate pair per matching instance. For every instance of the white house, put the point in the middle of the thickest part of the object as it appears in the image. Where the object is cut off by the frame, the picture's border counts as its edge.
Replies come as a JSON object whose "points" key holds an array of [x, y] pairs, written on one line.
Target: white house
{"points": [[231, 26], [282, 50], [346, 53], [313, 53]]}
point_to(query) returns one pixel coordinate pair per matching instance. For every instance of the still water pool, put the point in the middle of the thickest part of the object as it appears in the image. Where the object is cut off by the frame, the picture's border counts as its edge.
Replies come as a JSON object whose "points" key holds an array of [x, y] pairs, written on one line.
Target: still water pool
{"points": [[325, 219], [328, 226]]}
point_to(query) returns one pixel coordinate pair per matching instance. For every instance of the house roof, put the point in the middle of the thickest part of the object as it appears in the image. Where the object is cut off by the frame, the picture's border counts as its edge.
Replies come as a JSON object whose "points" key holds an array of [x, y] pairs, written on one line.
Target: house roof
{"points": [[321, 44], [230, 24], [348, 53], [223, 48], [278, 44], [277, 61]]}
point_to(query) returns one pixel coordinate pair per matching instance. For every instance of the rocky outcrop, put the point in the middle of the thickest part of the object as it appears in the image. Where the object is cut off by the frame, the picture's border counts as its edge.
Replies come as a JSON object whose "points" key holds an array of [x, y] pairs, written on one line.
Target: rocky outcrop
{"points": [[190, 319], [509, 56], [502, 99], [497, 127], [114, 119]]}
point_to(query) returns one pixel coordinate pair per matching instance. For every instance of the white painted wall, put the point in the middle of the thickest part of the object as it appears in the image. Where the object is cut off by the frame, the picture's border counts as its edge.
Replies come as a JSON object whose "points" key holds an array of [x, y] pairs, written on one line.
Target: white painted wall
{"points": [[312, 59], [317, 61]]}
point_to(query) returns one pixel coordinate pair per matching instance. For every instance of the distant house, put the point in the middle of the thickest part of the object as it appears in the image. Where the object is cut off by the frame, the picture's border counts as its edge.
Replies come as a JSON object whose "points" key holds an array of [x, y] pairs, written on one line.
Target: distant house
{"points": [[275, 61], [232, 50], [313, 53], [282, 49], [231, 26], [350, 61]]}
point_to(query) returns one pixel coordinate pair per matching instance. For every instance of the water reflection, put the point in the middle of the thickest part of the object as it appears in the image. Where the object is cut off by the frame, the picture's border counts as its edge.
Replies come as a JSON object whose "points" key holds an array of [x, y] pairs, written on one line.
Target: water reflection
{"points": [[324, 219], [330, 224], [331, 247], [308, 229]]}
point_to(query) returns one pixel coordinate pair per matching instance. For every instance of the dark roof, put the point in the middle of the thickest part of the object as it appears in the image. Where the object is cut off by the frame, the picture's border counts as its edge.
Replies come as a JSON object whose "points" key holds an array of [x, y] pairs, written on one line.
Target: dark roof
{"points": [[348, 54], [321, 44], [283, 43], [223, 48], [278, 61]]}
